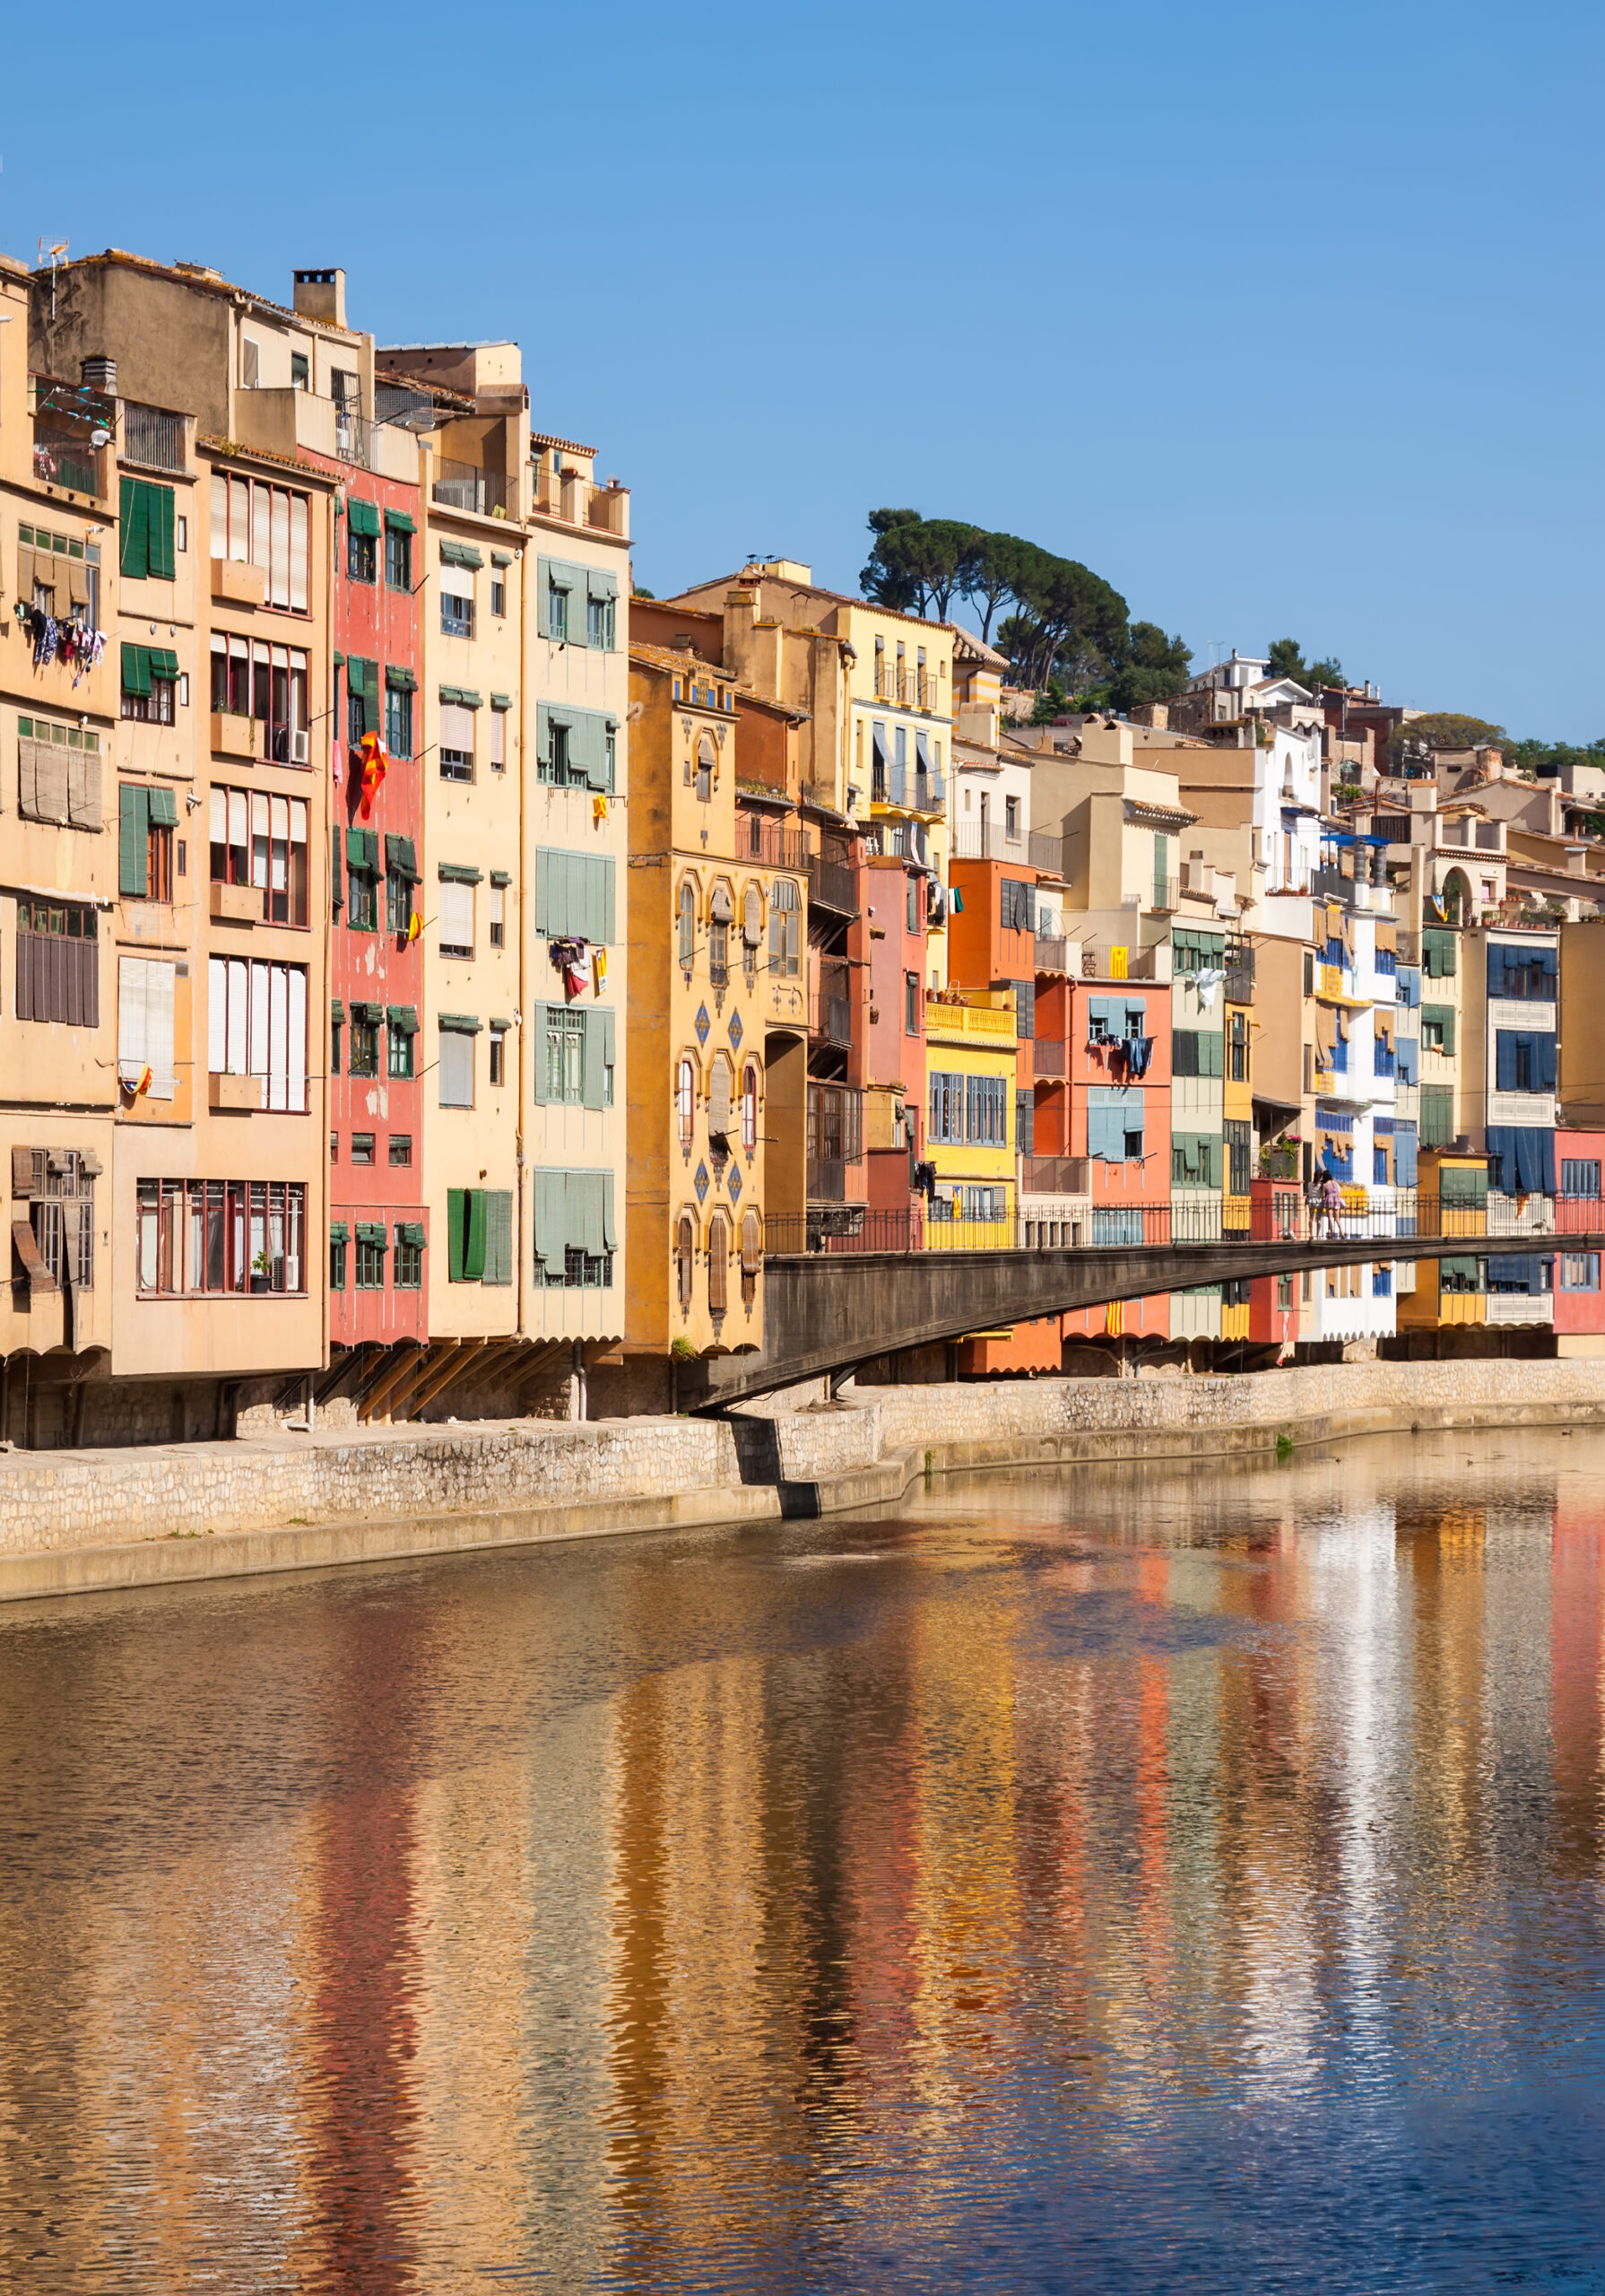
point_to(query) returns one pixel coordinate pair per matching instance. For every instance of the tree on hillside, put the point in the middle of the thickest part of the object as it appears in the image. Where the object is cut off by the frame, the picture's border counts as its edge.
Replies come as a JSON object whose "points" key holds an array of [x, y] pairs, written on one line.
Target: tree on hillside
{"points": [[1546, 759], [1444, 729], [1152, 667], [991, 573], [1286, 661]]}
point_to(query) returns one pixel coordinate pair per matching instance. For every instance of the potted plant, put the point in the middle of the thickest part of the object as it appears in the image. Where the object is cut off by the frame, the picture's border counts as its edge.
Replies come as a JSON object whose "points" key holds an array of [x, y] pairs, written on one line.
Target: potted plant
{"points": [[260, 1273]]}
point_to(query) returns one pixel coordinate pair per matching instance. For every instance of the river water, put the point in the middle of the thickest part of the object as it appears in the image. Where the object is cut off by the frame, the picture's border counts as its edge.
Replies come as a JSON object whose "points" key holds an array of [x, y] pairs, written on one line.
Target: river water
{"points": [[1133, 1880]]}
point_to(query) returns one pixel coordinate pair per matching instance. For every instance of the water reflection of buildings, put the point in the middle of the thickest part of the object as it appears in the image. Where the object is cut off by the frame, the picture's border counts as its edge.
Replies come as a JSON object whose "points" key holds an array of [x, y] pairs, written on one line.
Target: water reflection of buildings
{"points": [[626, 1915]]}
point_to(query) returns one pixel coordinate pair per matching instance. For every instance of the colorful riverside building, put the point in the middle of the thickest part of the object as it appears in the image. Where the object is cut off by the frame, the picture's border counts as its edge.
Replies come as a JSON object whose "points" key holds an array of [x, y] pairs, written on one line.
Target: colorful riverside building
{"points": [[972, 1056], [213, 1208], [700, 909]]}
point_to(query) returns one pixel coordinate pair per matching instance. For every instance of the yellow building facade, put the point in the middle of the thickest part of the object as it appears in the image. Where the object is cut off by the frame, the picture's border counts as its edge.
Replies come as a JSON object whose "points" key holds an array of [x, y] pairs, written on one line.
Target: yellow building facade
{"points": [[701, 936], [972, 1048]]}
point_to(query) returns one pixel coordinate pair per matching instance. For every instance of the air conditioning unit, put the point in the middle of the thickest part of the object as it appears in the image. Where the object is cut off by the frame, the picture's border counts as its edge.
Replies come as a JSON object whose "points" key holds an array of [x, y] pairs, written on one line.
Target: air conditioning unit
{"points": [[301, 749]]}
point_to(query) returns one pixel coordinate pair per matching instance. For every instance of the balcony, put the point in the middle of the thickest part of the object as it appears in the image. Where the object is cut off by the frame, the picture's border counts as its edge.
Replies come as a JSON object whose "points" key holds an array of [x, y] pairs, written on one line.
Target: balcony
{"points": [[912, 791], [1053, 954], [1055, 1175], [831, 1003], [463, 486], [907, 689], [832, 885], [1112, 961], [1166, 892], [759, 838], [1049, 1059], [1046, 853], [73, 425], [153, 438], [835, 1139], [62, 459], [979, 1025]]}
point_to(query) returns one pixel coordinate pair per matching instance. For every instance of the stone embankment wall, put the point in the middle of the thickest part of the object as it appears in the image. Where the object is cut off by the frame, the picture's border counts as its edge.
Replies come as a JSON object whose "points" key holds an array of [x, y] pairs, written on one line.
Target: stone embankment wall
{"points": [[71, 1520]]}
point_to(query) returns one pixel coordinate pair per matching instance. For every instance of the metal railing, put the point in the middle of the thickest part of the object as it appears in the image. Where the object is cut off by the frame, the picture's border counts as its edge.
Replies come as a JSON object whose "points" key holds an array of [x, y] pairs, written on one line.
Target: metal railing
{"points": [[463, 486], [907, 689], [153, 437], [1051, 953], [61, 459], [830, 1002], [1166, 892], [1046, 852], [832, 885], [759, 839], [1376, 1216], [904, 785]]}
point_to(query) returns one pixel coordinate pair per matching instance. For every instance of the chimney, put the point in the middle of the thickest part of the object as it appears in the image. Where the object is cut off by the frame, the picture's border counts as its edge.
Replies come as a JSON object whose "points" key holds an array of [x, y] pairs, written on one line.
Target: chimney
{"points": [[321, 295], [99, 374]]}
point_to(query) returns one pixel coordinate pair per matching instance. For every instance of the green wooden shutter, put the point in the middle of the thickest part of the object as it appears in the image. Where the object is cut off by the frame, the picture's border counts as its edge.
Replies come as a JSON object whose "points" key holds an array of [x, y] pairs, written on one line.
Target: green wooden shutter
{"points": [[596, 1052], [605, 932], [159, 554], [607, 1049], [473, 1248], [538, 1054], [607, 1203], [134, 822], [498, 1235], [133, 546], [455, 1226]]}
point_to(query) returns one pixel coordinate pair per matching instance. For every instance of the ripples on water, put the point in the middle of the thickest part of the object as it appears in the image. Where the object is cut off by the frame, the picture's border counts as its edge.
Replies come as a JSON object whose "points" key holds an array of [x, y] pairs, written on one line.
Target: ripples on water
{"points": [[1132, 1881]]}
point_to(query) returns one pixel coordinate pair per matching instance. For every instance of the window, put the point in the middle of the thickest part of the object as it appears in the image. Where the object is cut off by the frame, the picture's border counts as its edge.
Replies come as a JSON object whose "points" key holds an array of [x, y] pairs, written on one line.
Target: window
{"points": [[573, 896], [945, 1122], [336, 1029], [499, 1052], [718, 1264], [457, 1064], [1239, 1150], [362, 911], [260, 839], [479, 1241], [785, 926], [370, 1256], [704, 768], [749, 1108], [398, 558], [404, 1030], [408, 1274], [685, 1100], [456, 738], [145, 1024], [498, 735], [146, 520], [149, 677], [59, 773], [457, 602], [337, 1246], [300, 378], [365, 1042], [912, 906], [398, 721], [1237, 1049], [565, 1054], [499, 914], [59, 574], [361, 552], [362, 1147], [257, 1026], [1580, 1271], [498, 596], [685, 1255], [456, 918], [268, 682], [146, 819], [912, 1003], [401, 1152], [266, 526], [231, 677], [688, 925], [1284, 1292], [1579, 1176], [599, 623], [1012, 820], [1438, 1028], [204, 1235], [718, 954]]}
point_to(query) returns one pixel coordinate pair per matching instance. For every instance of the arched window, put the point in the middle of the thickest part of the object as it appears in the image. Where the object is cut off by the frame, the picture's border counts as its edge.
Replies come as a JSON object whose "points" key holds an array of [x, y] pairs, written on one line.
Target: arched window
{"points": [[718, 1264], [685, 1254], [721, 911], [687, 924], [751, 929], [750, 1107], [704, 767], [751, 1254], [718, 1097], [685, 1099]]}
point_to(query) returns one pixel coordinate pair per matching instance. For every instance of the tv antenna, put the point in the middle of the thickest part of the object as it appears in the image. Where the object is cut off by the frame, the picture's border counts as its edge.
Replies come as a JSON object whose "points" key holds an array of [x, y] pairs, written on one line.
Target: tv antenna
{"points": [[54, 254]]}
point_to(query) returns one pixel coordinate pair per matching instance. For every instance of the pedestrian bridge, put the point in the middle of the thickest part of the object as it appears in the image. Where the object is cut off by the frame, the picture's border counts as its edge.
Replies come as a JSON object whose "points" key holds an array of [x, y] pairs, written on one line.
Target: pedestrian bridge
{"points": [[853, 1298]]}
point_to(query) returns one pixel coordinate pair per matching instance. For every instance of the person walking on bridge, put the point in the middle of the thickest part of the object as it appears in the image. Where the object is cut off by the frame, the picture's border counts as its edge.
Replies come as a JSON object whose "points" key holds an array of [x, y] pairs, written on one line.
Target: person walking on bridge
{"points": [[1331, 1207]]}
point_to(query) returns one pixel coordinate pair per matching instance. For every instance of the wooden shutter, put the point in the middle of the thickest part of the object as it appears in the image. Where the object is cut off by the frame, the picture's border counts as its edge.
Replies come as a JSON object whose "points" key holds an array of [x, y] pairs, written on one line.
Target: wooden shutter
{"points": [[51, 781], [596, 1052], [551, 1208], [83, 788], [27, 779], [160, 558], [718, 1095], [474, 1246], [752, 916], [604, 926], [133, 529], [498, 1235], [159, 980], [456, 1224], [131, 1016], [134, 822]]}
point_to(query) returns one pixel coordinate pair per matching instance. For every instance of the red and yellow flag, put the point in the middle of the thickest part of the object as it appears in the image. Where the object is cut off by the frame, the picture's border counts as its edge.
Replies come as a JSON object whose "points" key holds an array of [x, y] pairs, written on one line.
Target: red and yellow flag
{"points": [[374, 764]]}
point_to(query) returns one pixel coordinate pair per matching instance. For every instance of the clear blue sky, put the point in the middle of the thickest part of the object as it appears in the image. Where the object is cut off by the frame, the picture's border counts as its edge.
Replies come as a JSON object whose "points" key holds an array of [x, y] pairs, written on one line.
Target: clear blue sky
{"points": [[1286, 320]]}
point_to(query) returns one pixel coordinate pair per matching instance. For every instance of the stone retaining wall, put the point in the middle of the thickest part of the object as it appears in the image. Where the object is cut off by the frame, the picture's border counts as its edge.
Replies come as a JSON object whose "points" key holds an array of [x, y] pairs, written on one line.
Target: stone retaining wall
{"points": [[125, 1517]]}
